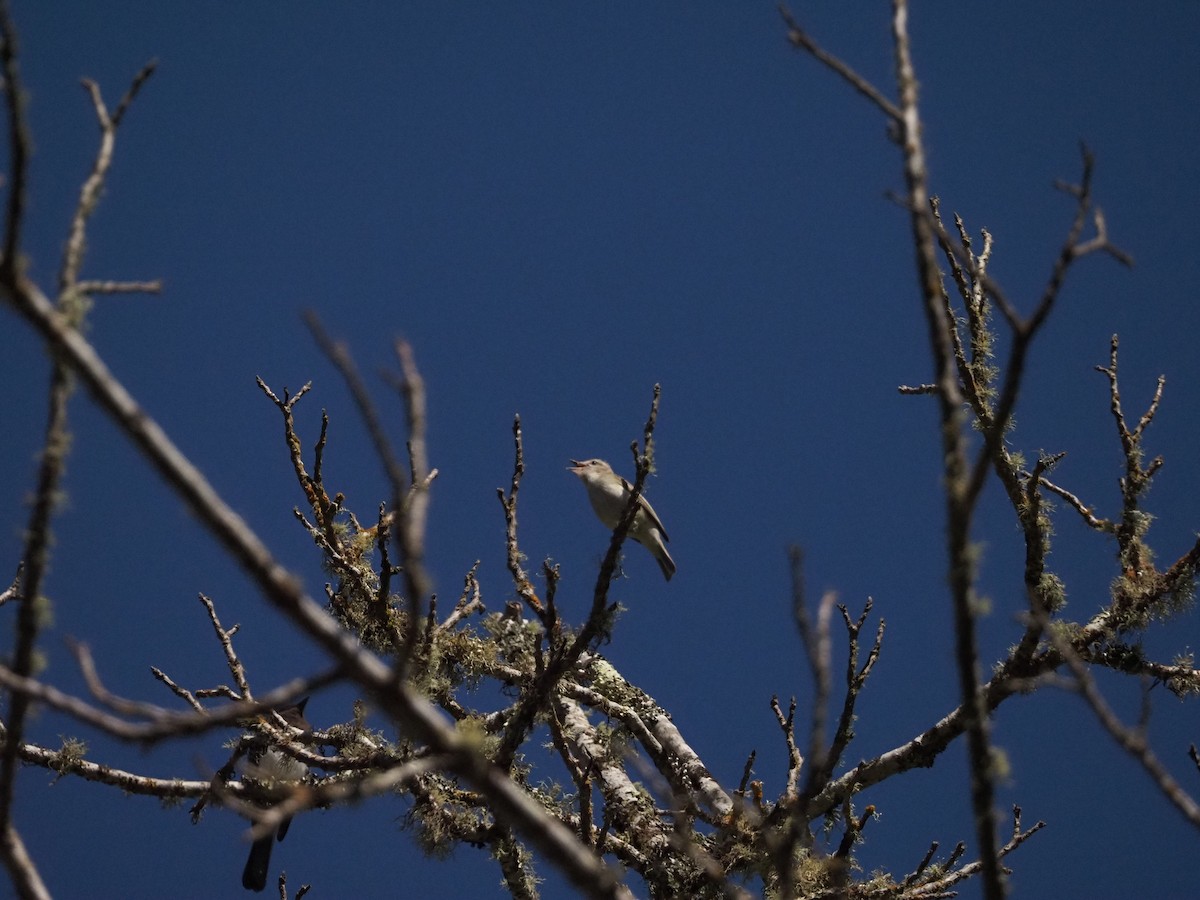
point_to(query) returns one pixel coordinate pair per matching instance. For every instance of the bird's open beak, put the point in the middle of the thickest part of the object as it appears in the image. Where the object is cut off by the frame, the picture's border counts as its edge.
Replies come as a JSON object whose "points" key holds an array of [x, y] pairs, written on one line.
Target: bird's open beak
{"points": [[575, 464]]}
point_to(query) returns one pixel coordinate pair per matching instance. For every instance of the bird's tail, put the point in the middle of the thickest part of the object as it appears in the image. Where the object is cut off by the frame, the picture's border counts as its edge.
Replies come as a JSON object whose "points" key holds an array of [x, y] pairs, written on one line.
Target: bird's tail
{"points": [[254, 876], [664, 561]]}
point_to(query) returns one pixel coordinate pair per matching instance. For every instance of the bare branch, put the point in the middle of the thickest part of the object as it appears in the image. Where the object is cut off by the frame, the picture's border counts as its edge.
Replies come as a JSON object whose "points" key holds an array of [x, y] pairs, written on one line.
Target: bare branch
{"points": [[13, 591], [414, 506], [26, 879], [119, 287], [1104, 526], [469, 602], [513, 555], [1131, 740], [236, 669], [183, 694], [818, 651], [787, 725], [19, 148], [89, 195], [801, 41], [940, 886]]}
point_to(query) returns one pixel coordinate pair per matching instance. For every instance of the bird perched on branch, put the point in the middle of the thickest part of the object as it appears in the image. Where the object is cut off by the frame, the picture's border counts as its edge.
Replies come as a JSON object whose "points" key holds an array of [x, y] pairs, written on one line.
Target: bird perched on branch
{"points": [[273, 768], [609, 493]]}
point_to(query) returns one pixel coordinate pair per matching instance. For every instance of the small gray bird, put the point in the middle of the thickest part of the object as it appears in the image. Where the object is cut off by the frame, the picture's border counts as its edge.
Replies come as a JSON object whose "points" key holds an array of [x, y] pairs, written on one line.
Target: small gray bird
{"points": [[609, 493], [270, 766]]}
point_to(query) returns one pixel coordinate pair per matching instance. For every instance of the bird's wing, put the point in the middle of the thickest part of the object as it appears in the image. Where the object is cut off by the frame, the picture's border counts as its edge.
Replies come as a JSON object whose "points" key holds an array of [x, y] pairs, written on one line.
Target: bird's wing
{"points": [[657, 522], [654, 518]]}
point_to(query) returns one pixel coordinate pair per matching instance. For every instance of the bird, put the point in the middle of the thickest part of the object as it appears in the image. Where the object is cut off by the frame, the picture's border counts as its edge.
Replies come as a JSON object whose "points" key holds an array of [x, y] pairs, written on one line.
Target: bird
{"points": [[609, 494], [271, 767]]}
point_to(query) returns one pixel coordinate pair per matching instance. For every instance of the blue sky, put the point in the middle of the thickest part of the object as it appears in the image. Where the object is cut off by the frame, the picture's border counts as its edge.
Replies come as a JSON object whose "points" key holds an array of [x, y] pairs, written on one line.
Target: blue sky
{"points": [[559, 207]]}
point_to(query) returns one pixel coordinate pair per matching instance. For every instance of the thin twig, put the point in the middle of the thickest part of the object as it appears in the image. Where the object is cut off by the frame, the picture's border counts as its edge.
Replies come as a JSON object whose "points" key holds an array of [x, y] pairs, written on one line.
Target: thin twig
{"points": [[119, 287], [802, 41], [1131, 740], [89, 194], [20, 143]]}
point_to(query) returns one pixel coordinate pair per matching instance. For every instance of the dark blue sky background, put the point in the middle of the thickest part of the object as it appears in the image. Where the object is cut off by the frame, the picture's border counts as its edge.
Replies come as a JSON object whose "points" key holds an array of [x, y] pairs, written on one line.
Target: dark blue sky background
{"points": [[560, 206]]}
